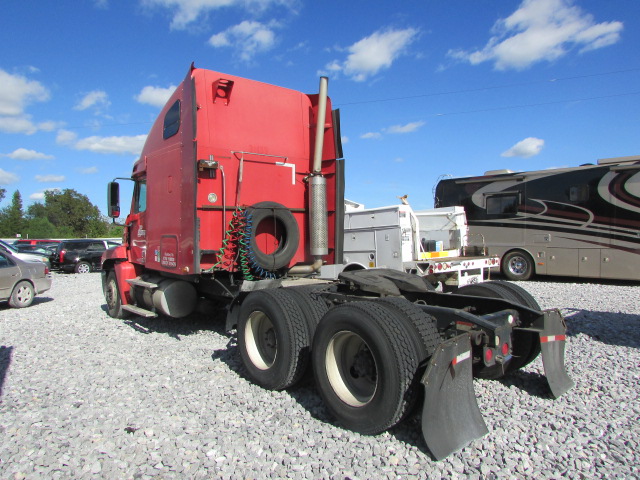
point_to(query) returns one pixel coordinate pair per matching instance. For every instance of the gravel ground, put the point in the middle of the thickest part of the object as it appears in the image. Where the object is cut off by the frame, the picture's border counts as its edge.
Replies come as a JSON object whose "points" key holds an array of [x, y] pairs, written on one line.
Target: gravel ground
{"points": [[83, 395]]}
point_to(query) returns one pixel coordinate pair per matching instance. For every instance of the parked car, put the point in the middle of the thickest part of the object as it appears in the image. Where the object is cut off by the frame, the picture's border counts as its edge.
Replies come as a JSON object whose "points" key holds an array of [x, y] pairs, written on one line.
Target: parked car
{"points": [[37, 249], [34, 241], [81, 255], [27, 257], [21, 281]]}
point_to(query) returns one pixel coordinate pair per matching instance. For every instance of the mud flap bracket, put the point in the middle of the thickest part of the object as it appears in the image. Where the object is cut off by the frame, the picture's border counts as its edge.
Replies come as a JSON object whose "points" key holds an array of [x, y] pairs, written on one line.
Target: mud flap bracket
{"points": [[451, 418]]}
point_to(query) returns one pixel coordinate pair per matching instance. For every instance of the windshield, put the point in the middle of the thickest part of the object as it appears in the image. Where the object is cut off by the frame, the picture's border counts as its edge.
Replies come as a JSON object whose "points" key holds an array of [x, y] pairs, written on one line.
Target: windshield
{"points": [[9, 247]]}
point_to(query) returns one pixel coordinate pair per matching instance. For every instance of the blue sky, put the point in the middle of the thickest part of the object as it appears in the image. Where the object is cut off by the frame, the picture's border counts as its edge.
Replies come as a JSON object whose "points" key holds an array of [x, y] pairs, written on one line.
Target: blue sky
{"points": [[425, 88]]}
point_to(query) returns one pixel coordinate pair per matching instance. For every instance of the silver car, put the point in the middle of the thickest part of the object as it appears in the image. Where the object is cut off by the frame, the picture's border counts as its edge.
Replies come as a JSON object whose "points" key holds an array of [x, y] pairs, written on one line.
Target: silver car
{"points": [[27, 257], [21, 281]]}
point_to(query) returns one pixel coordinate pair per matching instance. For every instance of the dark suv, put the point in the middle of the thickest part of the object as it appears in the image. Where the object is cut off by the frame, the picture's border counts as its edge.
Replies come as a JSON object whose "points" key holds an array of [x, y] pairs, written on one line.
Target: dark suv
{"points": [[80, 255]]}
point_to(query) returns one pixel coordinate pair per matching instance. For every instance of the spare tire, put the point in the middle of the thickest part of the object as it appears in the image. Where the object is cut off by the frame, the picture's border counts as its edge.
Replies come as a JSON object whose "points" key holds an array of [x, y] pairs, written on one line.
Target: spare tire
{"points": [[275, 220]]}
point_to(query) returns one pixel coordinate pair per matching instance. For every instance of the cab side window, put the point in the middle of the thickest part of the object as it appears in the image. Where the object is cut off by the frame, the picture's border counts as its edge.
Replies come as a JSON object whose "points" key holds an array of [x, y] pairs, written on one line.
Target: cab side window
{"points": [[140, 196], [172, 121]]}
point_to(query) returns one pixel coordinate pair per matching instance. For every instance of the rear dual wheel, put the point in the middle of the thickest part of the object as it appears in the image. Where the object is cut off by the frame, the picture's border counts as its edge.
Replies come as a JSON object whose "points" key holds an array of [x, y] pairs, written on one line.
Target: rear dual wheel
{"points": [[367, 358], [273, 338]]}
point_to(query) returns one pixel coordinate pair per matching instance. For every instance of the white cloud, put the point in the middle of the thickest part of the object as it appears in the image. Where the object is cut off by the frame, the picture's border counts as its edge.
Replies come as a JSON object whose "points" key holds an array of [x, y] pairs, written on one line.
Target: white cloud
{"points": [[525, 148], [66, 137], [188, 11], [40, 195], [373, 53], [107, 145], [407, 128], [50, 178], [96, 98], [541, 30], [8, 177], [394, 130], [88, 170], [16, 92], [24, 154], [247, 38], [371, 135], [155, 96]]}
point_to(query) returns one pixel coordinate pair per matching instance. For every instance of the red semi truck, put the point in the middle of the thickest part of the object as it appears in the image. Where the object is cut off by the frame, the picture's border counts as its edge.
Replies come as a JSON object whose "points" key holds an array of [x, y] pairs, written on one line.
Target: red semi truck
{"points": [[238, 194]]}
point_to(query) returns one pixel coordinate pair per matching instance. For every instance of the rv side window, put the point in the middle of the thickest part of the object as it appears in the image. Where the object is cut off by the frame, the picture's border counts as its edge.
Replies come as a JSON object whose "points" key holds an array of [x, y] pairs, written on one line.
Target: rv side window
{"points": [[579, 193], [172, 121], [502, 204]]}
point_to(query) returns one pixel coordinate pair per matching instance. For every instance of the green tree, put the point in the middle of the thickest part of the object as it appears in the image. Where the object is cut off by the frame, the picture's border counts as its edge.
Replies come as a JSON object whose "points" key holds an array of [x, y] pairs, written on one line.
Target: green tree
{"points": [[40, 227], [12, 221], [72, 213], [2, 193]]}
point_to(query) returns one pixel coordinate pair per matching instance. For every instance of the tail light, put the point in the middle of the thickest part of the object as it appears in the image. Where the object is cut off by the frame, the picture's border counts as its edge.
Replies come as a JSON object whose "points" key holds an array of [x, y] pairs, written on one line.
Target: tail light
{"points": [[46, 270], [62, 252], [488, 356], [505, 349]]}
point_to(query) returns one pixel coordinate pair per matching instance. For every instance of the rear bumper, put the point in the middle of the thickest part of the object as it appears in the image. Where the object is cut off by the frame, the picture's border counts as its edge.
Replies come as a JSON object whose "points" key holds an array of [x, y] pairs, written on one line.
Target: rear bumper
{"points": [[42, 284]]}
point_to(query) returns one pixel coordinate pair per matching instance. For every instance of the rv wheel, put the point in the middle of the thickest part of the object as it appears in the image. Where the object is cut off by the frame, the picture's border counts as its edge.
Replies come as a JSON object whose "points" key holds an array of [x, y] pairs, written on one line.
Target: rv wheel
{"points": [[517, 265]]}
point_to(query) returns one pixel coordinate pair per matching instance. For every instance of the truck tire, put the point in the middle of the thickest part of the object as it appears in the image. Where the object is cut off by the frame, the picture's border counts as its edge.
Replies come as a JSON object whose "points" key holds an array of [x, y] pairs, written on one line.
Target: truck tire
{"points": [[517, 265], [22, 295], [526, 345], [313, 307], [113, 297], [289, 235], [423, 332], [273, 338], [490, 290], [364, 363]]}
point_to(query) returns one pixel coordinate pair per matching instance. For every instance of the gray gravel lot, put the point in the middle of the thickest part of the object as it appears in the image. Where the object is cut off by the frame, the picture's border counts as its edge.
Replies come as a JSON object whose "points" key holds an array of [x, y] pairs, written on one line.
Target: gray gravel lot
{"points": [[85, 396]]}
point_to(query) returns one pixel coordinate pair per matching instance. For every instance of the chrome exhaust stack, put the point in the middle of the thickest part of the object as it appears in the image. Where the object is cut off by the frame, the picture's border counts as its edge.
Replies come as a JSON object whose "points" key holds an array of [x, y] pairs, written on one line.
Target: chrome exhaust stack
{"points": [[318, 225]]}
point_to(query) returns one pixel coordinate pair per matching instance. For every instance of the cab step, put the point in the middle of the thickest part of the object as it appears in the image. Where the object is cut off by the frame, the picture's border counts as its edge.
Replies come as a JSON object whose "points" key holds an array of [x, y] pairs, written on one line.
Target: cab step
{"points": [[139, 311], [138, 282]]}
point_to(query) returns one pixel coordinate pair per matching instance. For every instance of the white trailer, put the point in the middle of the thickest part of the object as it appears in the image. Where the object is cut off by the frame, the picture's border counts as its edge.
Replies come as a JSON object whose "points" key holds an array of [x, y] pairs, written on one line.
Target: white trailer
{"points": [[433, 244]]}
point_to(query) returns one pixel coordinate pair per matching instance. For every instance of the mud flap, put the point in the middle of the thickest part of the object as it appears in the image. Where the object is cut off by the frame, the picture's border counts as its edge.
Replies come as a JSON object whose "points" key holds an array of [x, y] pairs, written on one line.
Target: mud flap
{"points": [[451, 418], [552, 342]]}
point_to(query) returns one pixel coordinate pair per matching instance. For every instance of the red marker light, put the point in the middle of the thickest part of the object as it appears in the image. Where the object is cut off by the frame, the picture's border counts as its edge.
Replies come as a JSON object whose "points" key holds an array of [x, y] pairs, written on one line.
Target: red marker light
{"points": [[488, 355]]}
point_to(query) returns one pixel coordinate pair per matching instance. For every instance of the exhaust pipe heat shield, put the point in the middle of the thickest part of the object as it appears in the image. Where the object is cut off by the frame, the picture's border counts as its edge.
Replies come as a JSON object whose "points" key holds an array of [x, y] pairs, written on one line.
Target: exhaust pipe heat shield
{"points": [[451, 418]]}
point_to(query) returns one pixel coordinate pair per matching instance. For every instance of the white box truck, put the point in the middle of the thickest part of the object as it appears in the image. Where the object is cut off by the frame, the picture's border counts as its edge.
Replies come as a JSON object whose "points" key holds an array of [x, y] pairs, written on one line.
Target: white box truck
{"points": [[433, 244]]}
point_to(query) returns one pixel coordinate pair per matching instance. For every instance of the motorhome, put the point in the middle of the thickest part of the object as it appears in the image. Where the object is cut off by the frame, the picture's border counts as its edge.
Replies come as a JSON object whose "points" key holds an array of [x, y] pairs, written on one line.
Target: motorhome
{"points": [[582, 221]]}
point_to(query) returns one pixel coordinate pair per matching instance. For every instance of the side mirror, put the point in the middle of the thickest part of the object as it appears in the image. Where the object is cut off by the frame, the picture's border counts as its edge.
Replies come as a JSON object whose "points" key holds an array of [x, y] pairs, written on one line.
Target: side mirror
{"points": [[113, 200]]}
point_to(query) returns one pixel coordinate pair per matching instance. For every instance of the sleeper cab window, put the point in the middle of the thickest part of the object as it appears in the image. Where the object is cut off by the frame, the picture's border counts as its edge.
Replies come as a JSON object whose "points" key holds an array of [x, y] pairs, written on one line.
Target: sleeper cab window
{"points": [[502, 204], [172, 121]]}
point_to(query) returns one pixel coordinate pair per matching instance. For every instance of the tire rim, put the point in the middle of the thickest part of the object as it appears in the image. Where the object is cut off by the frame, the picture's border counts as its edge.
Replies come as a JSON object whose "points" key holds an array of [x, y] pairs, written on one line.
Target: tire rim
{"points": [[518, 265], [260, 340], [83, 268], [111, 294], [24, 295], [351, 369]]}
